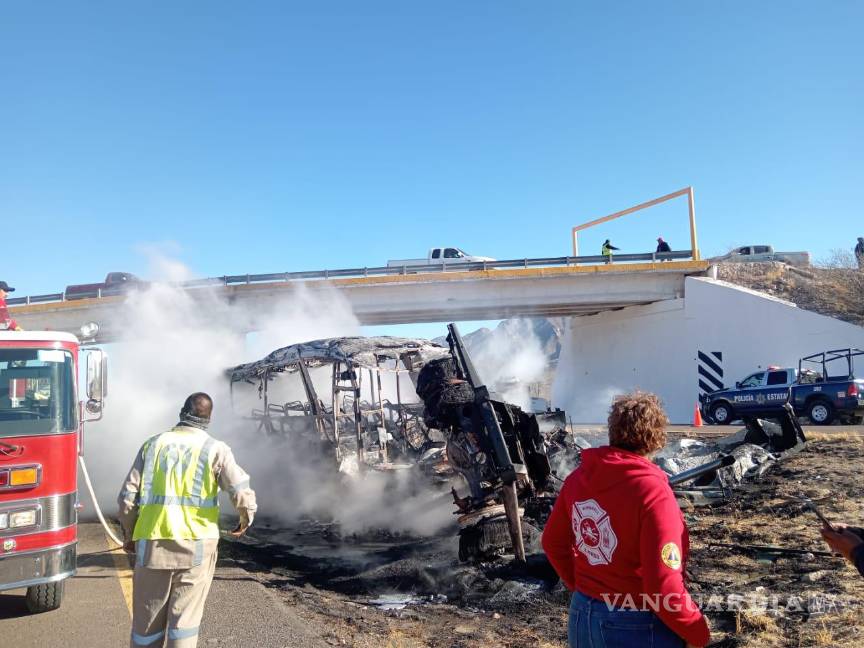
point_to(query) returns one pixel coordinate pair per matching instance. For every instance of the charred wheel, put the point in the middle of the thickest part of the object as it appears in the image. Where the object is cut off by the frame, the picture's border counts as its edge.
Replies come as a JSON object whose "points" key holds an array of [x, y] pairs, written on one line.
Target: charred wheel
{"points": [[488, 538]]}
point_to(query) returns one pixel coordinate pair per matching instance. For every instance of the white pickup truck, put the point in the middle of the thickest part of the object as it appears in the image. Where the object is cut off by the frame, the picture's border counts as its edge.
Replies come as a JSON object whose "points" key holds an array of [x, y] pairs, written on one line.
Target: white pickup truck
{"points": [[439, 256], [763, 253]]}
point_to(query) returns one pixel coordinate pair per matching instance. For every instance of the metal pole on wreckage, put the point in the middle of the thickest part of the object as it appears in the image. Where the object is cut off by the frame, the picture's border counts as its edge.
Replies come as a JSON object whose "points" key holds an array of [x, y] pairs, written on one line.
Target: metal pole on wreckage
{"points": [[505, 468]]}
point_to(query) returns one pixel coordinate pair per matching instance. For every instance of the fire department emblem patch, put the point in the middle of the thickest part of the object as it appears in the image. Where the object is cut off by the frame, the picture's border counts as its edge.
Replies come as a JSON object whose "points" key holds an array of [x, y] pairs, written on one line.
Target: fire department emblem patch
{"points": [[670, 554], [9, 545], [595, 538]]}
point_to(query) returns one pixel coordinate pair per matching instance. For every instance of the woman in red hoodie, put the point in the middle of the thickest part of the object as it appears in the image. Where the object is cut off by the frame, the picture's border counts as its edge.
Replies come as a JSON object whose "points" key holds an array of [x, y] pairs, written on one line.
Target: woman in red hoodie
{"points": [[618, 540]]}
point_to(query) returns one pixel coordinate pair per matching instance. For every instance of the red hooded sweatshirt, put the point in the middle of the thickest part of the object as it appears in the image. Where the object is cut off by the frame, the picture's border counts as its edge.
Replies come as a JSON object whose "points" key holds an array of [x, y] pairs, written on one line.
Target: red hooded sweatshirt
{"points": [[617, 534]]}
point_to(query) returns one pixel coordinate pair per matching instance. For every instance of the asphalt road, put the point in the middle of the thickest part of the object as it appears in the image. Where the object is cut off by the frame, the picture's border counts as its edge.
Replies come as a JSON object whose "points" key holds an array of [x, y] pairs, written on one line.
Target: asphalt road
{"points": [[96, 608]]}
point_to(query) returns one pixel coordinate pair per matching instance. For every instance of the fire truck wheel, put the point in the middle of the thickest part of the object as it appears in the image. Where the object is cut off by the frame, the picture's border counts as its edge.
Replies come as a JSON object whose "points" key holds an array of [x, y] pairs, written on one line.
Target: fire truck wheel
{"points": [[46, 597]]}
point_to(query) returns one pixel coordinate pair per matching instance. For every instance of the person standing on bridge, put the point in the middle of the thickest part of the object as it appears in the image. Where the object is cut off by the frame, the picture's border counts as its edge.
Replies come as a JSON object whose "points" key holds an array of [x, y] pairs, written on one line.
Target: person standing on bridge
{"points": [[6, 321], [662, 246], [169, 513], [606, 250]]}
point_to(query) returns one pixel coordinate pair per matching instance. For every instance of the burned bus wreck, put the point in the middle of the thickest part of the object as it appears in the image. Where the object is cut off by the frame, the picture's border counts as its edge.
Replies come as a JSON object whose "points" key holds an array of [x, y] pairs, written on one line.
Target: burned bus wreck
{"points": [[354, 396], [385, 404]]}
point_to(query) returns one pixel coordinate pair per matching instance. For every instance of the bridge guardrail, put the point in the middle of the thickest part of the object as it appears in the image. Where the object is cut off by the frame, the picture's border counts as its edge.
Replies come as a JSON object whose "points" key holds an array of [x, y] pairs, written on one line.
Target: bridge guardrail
{"points": [[377, 271]]}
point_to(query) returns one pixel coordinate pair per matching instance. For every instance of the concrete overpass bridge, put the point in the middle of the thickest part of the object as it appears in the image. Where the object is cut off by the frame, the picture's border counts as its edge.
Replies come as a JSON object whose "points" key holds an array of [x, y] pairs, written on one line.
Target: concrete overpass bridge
{"points": [[569, 286]]}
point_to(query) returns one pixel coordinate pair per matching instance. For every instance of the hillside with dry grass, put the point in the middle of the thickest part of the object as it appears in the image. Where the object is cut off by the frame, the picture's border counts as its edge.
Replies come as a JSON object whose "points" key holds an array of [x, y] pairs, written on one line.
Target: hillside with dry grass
{"points": [[834, 289]]}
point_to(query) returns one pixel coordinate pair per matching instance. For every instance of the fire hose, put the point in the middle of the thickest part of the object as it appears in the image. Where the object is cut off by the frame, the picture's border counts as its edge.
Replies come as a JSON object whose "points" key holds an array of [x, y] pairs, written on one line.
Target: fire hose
{"points": [[101, 517]]}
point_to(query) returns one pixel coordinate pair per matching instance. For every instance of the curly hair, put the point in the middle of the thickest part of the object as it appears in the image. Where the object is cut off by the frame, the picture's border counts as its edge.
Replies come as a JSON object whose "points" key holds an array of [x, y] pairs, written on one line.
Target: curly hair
{"points": [[637, 423]]}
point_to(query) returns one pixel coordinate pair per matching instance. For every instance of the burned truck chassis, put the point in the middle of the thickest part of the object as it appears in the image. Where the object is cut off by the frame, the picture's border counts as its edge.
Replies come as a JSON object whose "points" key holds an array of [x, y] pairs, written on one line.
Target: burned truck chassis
{"points": [[495, 446]]}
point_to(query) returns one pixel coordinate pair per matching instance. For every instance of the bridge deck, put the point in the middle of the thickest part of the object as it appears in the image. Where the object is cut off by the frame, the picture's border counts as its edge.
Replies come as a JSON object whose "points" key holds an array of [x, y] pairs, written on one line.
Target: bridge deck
{"points": [[423, 297]]}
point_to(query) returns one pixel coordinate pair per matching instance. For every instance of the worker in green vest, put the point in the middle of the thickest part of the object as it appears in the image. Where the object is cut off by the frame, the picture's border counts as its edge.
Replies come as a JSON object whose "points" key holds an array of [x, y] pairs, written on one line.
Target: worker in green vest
{"points": [[169, 513], [606, 250]]}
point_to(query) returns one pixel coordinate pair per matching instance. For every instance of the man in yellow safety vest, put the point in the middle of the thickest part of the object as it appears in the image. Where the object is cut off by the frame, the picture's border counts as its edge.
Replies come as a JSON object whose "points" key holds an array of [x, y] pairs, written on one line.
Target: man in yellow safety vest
{"points": [[169, 512], [606, 250]]}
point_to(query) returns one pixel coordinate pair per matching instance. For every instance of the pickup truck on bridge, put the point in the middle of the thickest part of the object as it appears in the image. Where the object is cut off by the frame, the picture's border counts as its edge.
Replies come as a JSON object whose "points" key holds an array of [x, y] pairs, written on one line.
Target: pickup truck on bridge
{"points": [[762, 254], [439, 256], [815, 393]]}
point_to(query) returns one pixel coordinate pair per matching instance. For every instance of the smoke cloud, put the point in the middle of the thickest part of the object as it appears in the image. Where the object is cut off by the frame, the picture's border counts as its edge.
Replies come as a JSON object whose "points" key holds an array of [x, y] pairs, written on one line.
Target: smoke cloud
{"points": [[177, 342], [509, 359], [568, 392]]}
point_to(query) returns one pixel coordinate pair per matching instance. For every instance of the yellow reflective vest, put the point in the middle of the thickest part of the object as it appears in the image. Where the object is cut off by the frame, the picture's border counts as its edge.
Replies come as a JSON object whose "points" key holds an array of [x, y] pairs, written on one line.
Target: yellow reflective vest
{"points": [[178, 496]]}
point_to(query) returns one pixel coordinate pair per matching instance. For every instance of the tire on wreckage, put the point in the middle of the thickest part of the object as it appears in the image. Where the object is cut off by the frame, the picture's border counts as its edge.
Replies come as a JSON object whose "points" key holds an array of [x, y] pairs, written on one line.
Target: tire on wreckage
{"points": [[441, 394]]}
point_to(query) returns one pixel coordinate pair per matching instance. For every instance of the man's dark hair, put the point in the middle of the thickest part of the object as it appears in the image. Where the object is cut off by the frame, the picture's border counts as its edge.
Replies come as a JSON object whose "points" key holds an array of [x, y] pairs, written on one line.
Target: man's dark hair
{"points": [[199, 405]]}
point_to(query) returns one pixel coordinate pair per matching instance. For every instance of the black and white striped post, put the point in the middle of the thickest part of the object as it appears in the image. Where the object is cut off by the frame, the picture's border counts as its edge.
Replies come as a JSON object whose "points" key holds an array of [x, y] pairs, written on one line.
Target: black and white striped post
{"points": [[710, 371]]}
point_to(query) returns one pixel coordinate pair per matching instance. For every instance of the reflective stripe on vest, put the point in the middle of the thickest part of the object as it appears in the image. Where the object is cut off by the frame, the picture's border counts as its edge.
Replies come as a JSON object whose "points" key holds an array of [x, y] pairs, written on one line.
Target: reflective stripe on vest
{"points": [[178, 499]]}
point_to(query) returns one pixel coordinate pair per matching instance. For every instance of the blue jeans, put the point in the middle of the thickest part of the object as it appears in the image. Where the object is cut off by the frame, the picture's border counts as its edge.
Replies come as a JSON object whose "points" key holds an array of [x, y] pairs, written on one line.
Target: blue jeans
{"points": [[594, 625]]}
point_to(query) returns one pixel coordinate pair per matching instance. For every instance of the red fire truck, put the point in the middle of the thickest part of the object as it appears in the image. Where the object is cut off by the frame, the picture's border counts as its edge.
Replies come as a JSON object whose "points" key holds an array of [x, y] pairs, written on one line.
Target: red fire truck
{"points": [[41, 427]]}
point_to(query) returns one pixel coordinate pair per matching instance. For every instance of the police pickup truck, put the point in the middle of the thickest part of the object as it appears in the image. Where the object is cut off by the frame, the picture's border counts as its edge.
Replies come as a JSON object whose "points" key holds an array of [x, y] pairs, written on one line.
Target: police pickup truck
{"points": [[823, 388]]}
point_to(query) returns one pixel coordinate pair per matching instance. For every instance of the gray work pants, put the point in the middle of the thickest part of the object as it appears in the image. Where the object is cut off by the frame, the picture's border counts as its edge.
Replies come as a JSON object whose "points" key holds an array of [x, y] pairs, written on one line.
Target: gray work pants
{"points": [[168, 604]]}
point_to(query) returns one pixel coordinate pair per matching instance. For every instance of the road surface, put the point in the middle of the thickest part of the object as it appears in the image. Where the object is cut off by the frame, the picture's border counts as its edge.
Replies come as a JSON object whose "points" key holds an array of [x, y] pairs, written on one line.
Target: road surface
{"points": [[95, 613]]}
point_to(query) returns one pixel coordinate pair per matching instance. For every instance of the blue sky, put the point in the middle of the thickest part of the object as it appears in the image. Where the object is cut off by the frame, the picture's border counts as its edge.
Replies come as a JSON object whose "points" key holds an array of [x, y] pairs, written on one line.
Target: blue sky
{"points": [[265, 137]]}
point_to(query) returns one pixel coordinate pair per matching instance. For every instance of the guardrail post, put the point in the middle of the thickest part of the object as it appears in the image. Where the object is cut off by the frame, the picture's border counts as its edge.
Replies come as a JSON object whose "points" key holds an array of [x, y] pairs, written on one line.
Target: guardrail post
{"points": [[326, 274]]}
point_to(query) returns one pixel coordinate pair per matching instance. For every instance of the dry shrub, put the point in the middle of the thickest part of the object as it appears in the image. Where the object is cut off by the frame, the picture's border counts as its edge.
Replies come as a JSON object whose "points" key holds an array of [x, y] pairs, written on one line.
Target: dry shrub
{"points": [[823, 637], [760, 629], [774, 273], [838, 259], [398, 639], [836, 437]]}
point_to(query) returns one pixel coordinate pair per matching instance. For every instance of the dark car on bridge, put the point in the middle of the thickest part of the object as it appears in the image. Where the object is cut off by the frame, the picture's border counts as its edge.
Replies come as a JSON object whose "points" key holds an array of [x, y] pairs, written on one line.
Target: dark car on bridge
{"points": [[115, 283]]}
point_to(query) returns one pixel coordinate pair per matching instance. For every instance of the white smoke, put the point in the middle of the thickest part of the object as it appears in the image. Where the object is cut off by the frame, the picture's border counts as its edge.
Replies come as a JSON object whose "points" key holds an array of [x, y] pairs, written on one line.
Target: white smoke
{"points": [[568, 392], [176, 342], [510, 359]]}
